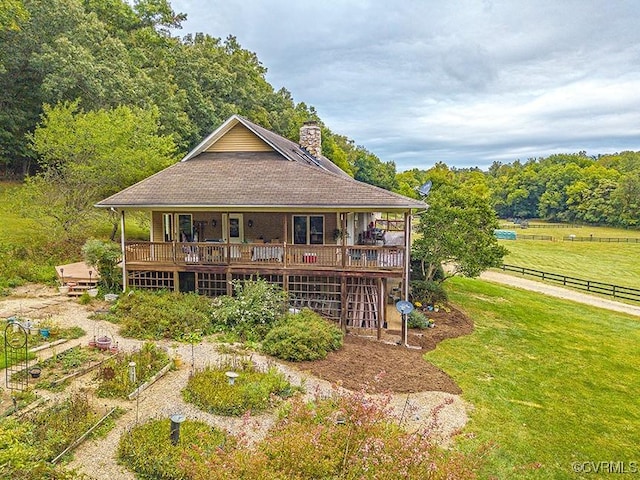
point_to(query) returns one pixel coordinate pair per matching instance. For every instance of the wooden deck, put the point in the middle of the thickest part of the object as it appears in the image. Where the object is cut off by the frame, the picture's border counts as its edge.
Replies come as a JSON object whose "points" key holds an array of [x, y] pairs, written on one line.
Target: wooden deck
{"points": [[78, 276], [271, 256]]}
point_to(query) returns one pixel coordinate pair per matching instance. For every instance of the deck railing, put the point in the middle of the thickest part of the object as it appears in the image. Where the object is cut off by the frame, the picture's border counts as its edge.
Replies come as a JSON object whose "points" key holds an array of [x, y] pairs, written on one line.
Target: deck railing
{"points": [[356, 257]]}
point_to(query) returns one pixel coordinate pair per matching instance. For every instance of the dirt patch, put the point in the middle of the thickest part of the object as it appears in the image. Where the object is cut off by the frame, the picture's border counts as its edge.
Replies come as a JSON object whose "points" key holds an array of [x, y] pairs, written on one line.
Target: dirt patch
{"points": [[386, 366]]}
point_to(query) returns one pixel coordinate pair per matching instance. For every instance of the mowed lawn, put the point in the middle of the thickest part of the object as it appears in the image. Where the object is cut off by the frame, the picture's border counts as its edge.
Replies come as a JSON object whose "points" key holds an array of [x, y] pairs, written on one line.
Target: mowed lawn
{"points": [[551, 382]]}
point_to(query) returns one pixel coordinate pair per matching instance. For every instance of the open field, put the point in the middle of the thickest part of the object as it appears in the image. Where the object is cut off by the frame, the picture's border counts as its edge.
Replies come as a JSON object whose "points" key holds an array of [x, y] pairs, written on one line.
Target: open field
{"points": [[614, 263], [558, 231], [552, 382]]}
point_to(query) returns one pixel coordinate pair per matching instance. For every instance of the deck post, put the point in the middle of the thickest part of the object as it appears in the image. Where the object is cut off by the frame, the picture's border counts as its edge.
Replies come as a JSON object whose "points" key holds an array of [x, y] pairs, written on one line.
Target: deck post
{"points": [[343, 303], [124, 254], [381, 306]]}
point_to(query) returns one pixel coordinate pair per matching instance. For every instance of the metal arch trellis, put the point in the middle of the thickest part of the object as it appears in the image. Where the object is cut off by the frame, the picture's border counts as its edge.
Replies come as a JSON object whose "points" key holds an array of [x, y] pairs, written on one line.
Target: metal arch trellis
{"points": [[16, 350]]}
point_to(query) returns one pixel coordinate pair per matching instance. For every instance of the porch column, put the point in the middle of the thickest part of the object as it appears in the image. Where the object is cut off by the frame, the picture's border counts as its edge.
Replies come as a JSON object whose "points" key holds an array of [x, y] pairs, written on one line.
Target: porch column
{"points": [[124, 255], [343, 239], [407, 268]]}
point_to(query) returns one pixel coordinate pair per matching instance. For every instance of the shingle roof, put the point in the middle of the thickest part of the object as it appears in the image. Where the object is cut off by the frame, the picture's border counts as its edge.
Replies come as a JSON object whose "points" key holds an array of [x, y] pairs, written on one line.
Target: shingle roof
{"points": [[289, 150], [255, 180]]}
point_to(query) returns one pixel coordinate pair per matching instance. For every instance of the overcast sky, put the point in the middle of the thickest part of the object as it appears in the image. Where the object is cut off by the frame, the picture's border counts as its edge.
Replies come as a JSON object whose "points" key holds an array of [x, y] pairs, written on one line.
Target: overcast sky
{"points": [[459, 81]]}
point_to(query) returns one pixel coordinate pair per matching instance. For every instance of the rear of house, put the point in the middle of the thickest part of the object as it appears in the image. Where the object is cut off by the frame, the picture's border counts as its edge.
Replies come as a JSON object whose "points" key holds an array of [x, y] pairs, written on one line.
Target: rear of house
{"points": [[247, 202]]}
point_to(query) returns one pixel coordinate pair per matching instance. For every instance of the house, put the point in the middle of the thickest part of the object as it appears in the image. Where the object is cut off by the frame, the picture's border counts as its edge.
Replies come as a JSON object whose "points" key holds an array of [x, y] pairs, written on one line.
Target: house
{"points": [[249, 202]]}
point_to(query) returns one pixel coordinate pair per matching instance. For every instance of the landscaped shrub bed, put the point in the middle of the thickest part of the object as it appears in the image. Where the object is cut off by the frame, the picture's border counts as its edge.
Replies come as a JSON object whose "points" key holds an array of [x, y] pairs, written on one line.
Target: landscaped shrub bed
{"points": [[252, 311], [302, 336], [29, 444], [253, 390], [162, 314], [349, 437], [115, 381], [147, 449]]}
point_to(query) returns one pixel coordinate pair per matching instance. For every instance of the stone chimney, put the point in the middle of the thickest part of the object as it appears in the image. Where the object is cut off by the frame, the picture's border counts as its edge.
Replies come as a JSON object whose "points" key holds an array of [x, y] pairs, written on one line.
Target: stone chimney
{"points": [[310, 138]]}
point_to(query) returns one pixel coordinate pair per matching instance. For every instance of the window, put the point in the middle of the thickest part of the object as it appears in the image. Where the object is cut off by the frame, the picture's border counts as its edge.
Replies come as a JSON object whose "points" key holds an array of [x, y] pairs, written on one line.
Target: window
{"points": [[185, 224], [308, 229], [167, 226]]}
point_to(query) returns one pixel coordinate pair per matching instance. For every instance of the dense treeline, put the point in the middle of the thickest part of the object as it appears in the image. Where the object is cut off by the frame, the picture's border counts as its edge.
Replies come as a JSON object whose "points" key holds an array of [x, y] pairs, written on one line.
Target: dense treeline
{"points": [[105, 54], [562, 187]]}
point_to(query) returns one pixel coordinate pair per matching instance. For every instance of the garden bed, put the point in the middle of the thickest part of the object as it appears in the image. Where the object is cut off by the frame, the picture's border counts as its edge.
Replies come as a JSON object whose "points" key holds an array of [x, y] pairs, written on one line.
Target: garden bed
{"points": [[72, 362]]}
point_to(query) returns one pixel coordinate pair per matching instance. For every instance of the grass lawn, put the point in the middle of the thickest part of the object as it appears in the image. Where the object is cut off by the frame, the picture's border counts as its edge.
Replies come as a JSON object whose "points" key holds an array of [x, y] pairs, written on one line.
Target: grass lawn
{"points": [[16, 230], [552, 382]]}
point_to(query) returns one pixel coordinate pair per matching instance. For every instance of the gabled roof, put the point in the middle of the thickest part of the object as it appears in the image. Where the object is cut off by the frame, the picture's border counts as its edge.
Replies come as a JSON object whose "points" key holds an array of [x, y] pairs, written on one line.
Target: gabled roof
{"points": [[290, 150], [284, 177]]}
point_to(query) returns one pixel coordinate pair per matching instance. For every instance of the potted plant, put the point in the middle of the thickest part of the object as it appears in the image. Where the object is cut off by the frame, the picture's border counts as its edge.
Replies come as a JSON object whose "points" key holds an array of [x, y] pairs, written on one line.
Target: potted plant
{"points": [[339, 234]]}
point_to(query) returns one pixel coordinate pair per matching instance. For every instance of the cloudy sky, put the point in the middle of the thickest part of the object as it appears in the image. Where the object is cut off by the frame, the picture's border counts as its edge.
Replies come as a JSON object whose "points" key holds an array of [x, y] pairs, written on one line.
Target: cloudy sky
{"points": [[460, 81]]}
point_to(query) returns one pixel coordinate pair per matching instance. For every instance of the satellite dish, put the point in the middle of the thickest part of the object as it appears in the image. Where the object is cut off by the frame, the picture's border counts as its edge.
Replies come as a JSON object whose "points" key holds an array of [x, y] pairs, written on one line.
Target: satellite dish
{"points": [[424, 189], [404, 307]]}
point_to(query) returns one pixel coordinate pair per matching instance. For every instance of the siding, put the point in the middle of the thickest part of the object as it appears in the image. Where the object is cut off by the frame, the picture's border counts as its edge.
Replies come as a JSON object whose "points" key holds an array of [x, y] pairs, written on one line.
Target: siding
{"points": [[156, 227], [240, 139]]}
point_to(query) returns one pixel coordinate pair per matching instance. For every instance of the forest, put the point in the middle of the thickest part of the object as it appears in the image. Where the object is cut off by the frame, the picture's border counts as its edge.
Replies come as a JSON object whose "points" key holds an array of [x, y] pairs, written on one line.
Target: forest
{"points": [[90, 83]]}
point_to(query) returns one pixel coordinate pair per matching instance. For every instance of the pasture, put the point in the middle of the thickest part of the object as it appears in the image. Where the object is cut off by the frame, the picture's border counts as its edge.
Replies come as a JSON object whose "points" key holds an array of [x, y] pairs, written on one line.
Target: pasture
{"points": [[614, 263], [551, 382]]}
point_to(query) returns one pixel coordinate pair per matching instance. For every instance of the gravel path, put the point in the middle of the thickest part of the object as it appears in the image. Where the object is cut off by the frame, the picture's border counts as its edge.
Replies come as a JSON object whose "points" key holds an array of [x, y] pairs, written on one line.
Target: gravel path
{"points": [[97, 458], [559, 292]]}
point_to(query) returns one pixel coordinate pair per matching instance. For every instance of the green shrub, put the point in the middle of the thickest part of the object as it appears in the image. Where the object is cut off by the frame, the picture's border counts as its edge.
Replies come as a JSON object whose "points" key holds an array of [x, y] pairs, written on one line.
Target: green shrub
{"points": [[349, 437], [255, 307], [147, 449], [162, 314], [104, 257], [27, 445], [302, 336], [417, 319], [253, 390], [427, 292]]}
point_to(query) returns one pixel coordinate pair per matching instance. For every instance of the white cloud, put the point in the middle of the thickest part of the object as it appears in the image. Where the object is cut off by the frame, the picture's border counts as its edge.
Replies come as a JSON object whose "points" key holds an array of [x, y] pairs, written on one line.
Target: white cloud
{"points": [[462, 82]]}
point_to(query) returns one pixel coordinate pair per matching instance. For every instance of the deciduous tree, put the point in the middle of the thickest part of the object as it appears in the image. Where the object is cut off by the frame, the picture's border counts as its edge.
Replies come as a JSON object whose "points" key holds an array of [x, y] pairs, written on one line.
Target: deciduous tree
{"points": [[456, 231]]}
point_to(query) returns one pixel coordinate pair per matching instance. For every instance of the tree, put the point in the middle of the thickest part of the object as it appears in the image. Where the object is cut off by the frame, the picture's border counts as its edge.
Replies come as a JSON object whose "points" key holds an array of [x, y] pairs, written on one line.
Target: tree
{"points": [[12, 14], [87, 156], [104, 257], [456, 231]]}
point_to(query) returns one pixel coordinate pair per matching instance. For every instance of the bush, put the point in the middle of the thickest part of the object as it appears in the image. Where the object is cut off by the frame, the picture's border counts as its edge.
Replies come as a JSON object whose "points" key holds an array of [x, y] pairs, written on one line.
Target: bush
{"points": [[28, 445], [161, 314], [302, 336], [427, 292], [253, 390], [104, 257], [341, 437], [417, 319], [252, 311], [147, 449]]}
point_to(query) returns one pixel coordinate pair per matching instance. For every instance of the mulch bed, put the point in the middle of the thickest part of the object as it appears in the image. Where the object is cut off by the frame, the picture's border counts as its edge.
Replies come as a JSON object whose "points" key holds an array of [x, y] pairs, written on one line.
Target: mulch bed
{"points": [[381, 366]]}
